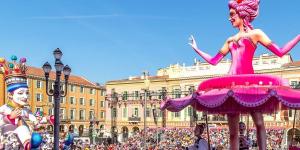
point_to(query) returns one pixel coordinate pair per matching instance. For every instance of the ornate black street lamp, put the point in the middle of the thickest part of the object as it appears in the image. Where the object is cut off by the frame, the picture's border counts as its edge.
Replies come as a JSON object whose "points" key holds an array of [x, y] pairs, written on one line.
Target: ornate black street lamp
{"points": [[57, 92]]}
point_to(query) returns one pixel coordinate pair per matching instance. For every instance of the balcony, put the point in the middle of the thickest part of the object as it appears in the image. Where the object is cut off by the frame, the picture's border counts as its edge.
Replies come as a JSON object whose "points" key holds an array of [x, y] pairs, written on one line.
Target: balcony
{"points": [[134, 119], [65, 121]]}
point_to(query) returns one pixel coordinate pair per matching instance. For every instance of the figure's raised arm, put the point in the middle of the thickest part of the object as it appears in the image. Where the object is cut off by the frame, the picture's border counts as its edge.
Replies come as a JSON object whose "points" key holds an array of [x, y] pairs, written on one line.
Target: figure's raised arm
{"points": [[265, 41], [212, 60]]}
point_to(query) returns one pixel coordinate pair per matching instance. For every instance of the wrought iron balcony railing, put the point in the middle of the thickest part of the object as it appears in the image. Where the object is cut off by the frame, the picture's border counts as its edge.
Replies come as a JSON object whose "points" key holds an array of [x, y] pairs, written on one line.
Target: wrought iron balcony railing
{"points": [[151, 95], [134, 119]]}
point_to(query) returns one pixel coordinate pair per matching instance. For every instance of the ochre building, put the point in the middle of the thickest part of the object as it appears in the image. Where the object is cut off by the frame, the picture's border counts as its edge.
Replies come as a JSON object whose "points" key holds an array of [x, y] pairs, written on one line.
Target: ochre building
{"points": [[85, 101]]}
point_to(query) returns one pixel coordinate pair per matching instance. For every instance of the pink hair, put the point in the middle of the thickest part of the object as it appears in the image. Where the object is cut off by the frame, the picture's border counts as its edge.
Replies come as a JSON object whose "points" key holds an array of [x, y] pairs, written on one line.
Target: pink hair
{"points": [[246, 9]]}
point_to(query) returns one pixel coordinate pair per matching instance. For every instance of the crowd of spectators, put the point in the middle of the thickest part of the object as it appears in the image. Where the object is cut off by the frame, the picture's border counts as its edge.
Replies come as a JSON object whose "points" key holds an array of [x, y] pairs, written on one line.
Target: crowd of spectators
{"points": [[173, 138], [181, 138]]}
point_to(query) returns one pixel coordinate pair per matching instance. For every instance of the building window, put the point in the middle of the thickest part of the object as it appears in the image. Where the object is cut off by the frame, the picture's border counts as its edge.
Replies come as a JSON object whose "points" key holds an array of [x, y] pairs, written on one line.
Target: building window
{"points": [[62, 100], [274, 61], [190, 88], [125, 112], [72, 88], [50, 99], [63, 113], [163, 89], [61, 128], [114, 112], [102, 93], [290, 113], [101, 103], [125, 95], [81, 101], [176, 93], [102, 114], [92, 91], [136, 95], [81, 115], [148, 112], [38, 109], [38, 84], [72, 100], [136, 112], [295, 84], [91, 114], [92, 102], [160, 113], [38, 97], [51, 85], [72, 114], [51, 111], [189, 111], [177, 114], [81, 89]]}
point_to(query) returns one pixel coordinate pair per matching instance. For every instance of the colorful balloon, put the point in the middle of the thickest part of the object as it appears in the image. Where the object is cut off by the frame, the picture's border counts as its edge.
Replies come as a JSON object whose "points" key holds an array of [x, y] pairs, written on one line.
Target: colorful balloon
{"points": [[51, 119], [36, 140]]}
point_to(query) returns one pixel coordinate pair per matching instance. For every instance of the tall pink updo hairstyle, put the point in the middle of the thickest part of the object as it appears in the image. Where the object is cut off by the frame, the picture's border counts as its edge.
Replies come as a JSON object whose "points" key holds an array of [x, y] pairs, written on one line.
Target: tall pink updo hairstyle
{"points": [[246, 9]]}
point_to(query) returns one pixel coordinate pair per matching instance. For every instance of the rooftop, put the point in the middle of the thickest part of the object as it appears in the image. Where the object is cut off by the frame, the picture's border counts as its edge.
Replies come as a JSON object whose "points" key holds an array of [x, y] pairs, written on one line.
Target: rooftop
{"points": [[38, 72]]}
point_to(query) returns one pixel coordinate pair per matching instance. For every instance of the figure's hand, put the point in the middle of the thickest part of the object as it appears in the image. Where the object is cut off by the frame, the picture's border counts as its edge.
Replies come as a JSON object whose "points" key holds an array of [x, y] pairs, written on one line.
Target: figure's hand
{"points": [[192, 42], [15, 113]]}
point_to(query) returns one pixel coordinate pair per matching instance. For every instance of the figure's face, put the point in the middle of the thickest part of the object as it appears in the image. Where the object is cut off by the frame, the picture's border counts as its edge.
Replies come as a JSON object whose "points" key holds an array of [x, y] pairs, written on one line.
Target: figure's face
{"points": [[20, 96], [234, 18], [242, 127]]}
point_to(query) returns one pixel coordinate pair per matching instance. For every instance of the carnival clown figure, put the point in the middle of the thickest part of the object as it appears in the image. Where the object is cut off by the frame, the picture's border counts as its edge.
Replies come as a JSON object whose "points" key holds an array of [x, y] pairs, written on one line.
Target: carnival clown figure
{"points": [[14, 113]]}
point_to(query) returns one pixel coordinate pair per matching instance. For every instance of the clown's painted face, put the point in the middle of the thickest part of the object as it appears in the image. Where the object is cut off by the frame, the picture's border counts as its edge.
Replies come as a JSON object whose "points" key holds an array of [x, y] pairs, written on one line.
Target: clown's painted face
{"points": [[20, 96]]}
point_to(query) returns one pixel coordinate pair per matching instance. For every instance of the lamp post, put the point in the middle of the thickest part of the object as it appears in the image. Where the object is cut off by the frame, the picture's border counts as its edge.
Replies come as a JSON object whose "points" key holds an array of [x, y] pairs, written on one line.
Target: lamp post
{"points": [[155, 116], [57, 92], [193, 111], [93, 120], [147, 84], [164, 113]]}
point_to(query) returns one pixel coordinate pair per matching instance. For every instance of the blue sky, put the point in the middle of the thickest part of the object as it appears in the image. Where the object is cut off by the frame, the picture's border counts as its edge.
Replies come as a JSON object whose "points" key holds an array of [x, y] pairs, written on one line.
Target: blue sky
{"points": [[106, 40]]}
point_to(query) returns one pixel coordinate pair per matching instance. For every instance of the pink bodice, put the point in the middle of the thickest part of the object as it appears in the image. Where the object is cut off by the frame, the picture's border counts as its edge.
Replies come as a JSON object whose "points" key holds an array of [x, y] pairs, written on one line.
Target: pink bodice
{"points": [[242, 52]]}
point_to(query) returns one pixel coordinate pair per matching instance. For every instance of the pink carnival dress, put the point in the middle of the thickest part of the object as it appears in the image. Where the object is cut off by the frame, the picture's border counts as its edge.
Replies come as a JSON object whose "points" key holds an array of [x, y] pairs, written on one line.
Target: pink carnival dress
{"points": [[241, 90]]}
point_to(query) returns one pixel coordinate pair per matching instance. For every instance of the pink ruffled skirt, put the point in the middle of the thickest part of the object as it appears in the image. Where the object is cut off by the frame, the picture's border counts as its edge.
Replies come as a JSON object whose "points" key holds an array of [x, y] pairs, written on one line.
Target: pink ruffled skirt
{"points": [[239, 93]]}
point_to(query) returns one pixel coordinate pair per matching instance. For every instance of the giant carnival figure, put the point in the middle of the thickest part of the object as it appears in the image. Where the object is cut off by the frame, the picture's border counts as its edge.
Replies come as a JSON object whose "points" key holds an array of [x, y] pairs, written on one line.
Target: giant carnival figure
{"points": [[241, 91], [15, 113]]}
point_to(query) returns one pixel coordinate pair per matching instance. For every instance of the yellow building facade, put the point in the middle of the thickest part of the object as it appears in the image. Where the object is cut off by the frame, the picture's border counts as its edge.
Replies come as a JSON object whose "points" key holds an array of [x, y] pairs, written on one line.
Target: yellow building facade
{"points": [[84, 102], [125, 98]]}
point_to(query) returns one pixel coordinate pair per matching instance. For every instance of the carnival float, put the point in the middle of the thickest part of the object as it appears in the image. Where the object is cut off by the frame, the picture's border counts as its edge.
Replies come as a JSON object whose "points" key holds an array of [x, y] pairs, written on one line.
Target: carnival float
{"points": [[241, 91], [20, 128]]}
